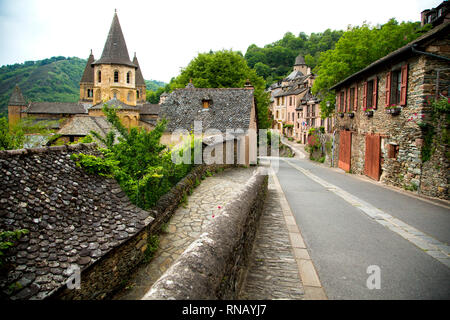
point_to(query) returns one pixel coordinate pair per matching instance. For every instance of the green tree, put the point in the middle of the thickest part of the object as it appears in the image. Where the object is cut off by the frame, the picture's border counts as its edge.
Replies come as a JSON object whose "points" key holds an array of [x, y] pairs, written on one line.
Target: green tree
{"points": [[225, 69], [15, 136], [357, 48]]}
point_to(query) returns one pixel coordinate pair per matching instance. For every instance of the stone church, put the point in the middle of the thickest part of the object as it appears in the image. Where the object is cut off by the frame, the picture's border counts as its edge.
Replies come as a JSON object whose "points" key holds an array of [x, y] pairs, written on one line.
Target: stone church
{"points": [[113, 79]]}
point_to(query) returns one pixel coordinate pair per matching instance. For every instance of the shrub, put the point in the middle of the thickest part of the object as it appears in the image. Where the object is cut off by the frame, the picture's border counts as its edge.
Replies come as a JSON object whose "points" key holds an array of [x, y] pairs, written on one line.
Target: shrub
{"points": [[142, 166]]}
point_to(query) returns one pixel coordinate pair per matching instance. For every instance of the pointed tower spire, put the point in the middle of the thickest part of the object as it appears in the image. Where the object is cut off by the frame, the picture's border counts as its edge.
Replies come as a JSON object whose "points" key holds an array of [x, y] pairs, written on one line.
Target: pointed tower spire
{"points": [[115, 50], [88, 74], [139, 77], [17, 98]]}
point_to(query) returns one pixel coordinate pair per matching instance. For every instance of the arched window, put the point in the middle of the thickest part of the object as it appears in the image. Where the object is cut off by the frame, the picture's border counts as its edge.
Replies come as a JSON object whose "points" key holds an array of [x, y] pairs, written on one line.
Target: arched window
{"points": [[129, 77], [116, 76], [99, 76]]}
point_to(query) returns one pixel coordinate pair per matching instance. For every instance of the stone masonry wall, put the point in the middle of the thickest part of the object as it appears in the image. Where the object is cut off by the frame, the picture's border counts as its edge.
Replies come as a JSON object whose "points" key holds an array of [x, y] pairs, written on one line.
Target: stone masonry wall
{"points": [[212, 267], [407, 170]]}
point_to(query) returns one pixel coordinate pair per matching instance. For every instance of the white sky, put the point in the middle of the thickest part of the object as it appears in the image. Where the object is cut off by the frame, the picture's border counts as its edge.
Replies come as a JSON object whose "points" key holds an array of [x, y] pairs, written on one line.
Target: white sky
{"points": [[168, 34]]}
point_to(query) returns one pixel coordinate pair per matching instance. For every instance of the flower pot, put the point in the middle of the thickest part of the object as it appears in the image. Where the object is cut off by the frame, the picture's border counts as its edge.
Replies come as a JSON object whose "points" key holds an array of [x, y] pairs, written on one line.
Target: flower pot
{"points": [[369, 113], [351, 114], [394, 111], [341, 115]]}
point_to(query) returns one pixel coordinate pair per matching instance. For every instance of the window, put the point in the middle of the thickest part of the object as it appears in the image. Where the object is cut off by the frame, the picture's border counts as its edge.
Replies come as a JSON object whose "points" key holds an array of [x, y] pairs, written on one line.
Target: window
{"points": [[293, 116], [99, 76], [290, 101], [352, 99], [370, 94], [282, 100], [137, 93], [129, 77], [116, 76], [89, 93], [206, 104], [393, 151], [396, 86], [115, 94], [129, 96], [341, 101]]}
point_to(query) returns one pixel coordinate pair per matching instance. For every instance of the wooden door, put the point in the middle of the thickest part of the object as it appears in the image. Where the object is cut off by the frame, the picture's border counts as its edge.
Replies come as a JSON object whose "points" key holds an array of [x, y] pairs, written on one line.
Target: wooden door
{"points": [[345, 150], [372, 164]]}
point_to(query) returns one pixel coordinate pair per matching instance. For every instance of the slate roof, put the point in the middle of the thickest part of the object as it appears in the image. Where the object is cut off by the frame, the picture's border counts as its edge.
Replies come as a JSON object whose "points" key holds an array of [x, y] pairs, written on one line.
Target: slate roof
{"points": [[115, 103], [294, 90], [442, 29], [299, 60], [82, 125], [294, 75], [56, 108], [88, 74], [115, 50], [229, 109], [308, 97], [139, 77], [17, 98], [73, 218], [149, 108]]}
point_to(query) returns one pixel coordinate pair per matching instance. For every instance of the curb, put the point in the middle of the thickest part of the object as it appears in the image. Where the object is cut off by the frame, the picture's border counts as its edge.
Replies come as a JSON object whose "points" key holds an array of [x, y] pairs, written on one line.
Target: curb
{"points": [[308, 274]]}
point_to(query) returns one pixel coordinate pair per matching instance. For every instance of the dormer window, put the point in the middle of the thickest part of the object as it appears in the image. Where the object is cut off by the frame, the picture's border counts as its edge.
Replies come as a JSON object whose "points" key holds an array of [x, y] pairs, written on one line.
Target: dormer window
{"points": [[206, 104], [116, 76]]}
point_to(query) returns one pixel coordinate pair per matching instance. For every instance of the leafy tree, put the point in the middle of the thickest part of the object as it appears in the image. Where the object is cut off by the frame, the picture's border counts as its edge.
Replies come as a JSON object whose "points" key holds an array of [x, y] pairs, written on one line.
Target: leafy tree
{"points": [[280, 55], [141, 165], [357, 48], [225, 69], [15, 136]]}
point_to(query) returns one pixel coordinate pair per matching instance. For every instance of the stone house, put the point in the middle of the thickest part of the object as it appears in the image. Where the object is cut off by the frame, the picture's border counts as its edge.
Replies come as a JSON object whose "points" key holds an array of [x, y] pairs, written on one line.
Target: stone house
{"points": [[380, 110], [212, 112], [294, 109]]}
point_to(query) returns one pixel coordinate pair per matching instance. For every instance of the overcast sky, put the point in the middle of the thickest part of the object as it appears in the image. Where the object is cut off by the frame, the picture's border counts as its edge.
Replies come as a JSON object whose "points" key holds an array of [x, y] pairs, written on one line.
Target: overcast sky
{"points": [[168, 34]]}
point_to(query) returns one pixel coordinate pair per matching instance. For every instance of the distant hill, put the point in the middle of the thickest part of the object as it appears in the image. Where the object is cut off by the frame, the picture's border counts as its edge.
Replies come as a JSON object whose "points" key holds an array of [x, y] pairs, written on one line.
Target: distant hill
{"points": [[54, 79]]}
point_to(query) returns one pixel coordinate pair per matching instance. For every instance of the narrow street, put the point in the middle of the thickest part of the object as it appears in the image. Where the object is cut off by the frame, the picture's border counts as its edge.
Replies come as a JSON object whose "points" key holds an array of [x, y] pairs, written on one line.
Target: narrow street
{"points": [[349, 224]]}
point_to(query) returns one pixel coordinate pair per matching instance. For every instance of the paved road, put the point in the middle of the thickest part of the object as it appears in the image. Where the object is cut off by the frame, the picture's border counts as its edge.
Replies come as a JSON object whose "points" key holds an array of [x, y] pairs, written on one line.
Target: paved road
{"points": [[349, 224]]}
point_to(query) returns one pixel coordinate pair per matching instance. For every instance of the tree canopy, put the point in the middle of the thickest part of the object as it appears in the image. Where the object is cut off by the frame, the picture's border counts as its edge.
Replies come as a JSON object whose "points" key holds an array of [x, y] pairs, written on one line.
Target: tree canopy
{"points": [[274, 61], [358, 47]]}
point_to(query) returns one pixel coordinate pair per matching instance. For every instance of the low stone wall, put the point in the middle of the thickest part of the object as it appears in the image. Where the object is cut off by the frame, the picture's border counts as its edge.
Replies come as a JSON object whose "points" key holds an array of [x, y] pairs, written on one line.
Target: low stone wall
{"points": [[212, 267], [109, 274]]}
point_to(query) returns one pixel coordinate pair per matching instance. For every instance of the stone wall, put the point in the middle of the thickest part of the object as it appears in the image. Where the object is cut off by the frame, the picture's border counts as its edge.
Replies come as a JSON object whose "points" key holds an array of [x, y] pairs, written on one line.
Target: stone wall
{"points": [[406, 170], [212, 267], [75, 218]]}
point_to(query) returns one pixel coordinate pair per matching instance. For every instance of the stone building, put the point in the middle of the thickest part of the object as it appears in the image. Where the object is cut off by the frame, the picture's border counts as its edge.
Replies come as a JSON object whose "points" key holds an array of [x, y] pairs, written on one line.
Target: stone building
{"points": [[113, 79], [383, 116], [212, 112], [294, 109], [436, 16]]}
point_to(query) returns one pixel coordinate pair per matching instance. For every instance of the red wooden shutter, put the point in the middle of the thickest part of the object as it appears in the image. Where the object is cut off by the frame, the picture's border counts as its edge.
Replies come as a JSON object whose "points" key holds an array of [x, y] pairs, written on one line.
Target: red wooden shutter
{"points": [[375, 89], [403, 87], [388, 89], [338, 102], [355, 103], [365, 95], [344, 107]]}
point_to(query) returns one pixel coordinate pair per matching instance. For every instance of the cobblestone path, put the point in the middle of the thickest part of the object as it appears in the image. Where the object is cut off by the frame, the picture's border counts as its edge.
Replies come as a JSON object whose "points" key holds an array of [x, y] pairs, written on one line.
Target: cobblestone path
{"points": [[273, 271], [187, 223]]}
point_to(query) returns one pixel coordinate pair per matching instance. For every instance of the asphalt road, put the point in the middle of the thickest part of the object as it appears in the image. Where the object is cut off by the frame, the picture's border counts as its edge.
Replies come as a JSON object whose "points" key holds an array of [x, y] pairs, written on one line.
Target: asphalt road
{"points": [[343, 241]]}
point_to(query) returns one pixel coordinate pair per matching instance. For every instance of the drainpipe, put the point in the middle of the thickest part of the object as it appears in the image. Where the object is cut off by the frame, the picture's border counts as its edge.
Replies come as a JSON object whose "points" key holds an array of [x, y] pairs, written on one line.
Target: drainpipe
{"points": [[428, 54]]}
